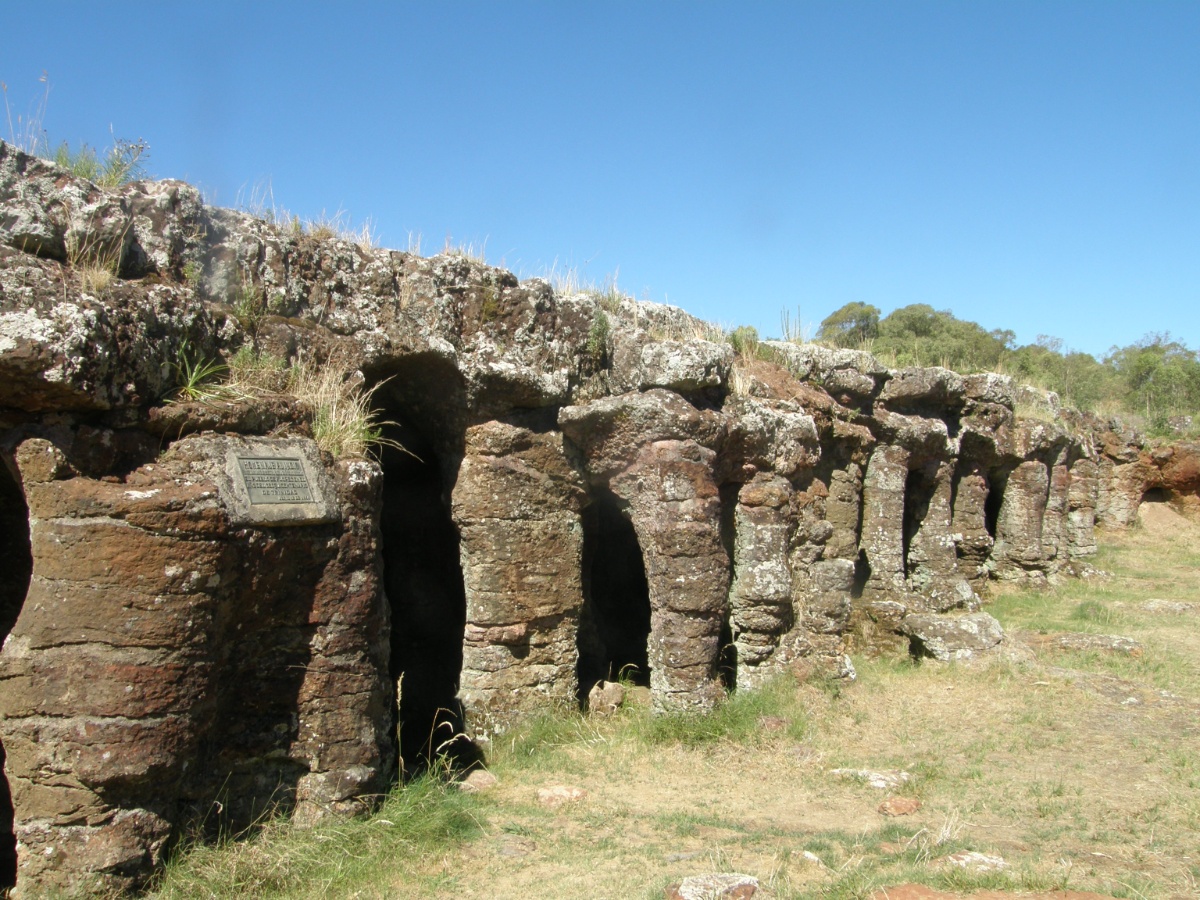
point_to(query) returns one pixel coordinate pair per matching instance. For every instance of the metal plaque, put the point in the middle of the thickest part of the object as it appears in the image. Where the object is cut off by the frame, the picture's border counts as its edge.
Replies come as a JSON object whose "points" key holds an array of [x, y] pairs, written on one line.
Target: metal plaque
{"points": [[274, 479]]}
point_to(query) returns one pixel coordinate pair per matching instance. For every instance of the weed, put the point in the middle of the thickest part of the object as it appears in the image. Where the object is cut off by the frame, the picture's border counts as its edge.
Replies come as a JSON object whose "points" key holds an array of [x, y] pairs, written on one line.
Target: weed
{"points": [[193, 273], [598, 337], [744, 340], [198, 379], [120, 165], [28, 134], [250, 305], [344, 420], [94, 264], [794, 331]]}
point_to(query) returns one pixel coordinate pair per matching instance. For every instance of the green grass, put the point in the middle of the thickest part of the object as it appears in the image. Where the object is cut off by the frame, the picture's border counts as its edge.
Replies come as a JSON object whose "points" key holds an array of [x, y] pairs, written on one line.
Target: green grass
{"points": [[415, 822]]}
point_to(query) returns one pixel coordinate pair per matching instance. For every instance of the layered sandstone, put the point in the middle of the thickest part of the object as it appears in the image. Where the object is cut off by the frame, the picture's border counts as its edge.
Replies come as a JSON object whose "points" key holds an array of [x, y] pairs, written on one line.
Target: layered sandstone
{"points": [[589, 488]]}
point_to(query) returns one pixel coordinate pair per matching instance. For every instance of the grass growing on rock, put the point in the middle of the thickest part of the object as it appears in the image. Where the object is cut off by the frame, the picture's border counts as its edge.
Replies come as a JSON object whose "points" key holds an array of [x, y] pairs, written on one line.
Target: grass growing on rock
{"points": [[1077, 778]]}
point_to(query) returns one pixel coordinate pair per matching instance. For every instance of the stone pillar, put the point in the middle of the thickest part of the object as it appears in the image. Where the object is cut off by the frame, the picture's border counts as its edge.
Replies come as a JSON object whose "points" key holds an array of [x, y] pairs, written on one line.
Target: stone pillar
{"points": [[675, 509], [175, 661], [842, 512], [1081, 509], [345, 729], [882, 536], [932, 555], [760, 597], [969, 521], [1018, 548], [1126, 484], [103, 673], [1054, 525], [517, 506]]}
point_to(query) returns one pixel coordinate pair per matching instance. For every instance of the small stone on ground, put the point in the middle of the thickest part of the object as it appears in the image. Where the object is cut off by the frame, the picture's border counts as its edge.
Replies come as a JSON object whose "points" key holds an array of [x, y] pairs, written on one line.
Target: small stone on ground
{"points": [[976, 862], [558, 794], [889, 779], [1082, 641], [899, 806], [724, 886], [478, 780], [1175, 607]]}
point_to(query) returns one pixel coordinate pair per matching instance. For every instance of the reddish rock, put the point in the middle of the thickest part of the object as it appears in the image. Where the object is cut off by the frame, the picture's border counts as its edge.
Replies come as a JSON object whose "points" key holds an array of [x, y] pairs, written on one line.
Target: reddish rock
{"points": [[899, 806]]}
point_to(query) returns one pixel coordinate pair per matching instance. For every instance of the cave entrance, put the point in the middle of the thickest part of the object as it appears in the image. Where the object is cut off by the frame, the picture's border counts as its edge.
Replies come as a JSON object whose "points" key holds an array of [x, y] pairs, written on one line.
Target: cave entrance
{"points": [[997, 482], [424, 583], [16, 566], [919, 487], [862, 574], [1156, 495], [614, 625]]}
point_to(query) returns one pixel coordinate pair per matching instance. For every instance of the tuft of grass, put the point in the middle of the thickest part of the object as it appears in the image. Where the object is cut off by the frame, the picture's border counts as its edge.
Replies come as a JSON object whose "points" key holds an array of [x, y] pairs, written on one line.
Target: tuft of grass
{"points": [[95, 262], [1093, 611], [345, 422], [598, 337], [199, 379], [121, 163], [260, 203], [744, 340], [254, 372], [738, 718], [95, 266], [470, 250], [416, 823]]}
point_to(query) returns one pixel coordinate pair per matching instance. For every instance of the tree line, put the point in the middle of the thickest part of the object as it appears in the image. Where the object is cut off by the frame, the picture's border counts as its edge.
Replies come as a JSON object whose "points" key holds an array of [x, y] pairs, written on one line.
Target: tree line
{"points": [[1155, 378]]}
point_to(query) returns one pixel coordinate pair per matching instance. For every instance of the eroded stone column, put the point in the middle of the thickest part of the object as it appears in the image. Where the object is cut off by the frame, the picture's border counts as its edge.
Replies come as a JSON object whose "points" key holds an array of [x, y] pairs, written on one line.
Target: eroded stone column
{"points": [[102, 674], [1054, 524], [517, 505], [1018, 548], [932, 561], [842, 512], [882, 538], [760, 597], [676, 511], [174, 661], [969, 522], [1081, 509]]}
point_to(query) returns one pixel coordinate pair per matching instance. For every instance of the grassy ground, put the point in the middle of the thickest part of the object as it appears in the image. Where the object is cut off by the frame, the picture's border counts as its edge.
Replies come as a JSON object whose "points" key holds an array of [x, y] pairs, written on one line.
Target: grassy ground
{"points": [[1080, 770]]}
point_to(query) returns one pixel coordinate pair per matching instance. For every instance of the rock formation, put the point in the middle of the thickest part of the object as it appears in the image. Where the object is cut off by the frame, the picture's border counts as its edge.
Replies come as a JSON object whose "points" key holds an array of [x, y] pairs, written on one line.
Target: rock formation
{"points": [[203, 610]]}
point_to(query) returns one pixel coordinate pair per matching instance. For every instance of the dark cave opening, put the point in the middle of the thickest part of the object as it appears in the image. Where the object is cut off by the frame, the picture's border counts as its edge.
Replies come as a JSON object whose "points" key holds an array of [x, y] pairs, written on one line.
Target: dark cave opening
{"points": [[918, 489], [16, 563], [997, 482], [1156, 495], [614, 625], [424, 584], [862, 574]]}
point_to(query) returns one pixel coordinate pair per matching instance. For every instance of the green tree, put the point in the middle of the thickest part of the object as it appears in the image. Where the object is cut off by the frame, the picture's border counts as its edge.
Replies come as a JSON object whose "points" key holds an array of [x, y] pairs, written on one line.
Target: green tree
{"points": [[851, 325], [919, 335], [1162, 377], [1078, 378]]}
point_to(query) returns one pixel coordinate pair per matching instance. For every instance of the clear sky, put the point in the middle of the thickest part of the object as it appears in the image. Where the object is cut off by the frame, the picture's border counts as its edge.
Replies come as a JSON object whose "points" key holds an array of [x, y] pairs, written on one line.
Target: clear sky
{"points": [[1027, 165]]}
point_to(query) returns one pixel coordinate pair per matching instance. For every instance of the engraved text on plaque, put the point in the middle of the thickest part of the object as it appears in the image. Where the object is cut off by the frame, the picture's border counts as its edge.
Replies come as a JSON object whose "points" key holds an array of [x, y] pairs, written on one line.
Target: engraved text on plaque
{"points": [[274, 479]]}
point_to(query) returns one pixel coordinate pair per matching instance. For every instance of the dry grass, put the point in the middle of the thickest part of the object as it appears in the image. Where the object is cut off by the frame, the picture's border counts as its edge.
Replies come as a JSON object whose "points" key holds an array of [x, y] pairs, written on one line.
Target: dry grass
{"points": [[345, 422], [94, 264], [1077, 774], [260, 203]]}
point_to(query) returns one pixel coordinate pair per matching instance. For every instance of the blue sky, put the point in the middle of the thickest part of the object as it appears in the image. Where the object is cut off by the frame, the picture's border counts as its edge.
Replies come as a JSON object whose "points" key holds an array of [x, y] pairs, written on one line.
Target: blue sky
{"points": [[1027, 165]]}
